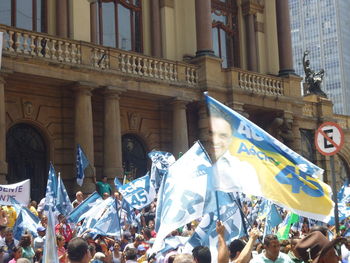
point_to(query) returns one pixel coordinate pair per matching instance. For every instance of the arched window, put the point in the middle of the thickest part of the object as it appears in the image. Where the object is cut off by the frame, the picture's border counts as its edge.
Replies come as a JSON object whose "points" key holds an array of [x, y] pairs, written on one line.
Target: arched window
{"points": [[225, 32], [120, 24], [25, 14], [134, 156], [26, 156]]}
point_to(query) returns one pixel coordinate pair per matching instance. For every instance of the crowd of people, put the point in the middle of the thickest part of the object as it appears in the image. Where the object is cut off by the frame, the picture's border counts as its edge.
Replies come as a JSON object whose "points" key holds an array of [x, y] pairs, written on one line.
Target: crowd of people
{"points": [[134, 245]]}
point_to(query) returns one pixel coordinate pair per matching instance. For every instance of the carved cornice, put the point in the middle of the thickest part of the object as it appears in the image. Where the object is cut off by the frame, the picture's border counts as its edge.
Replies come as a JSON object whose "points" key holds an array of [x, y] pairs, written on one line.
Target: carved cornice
{"points": [[167, 3], [252, 7]]}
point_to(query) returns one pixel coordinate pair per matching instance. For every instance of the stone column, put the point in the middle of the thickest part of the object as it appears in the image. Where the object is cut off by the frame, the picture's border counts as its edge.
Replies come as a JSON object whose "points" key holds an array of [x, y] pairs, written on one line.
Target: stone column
{"points": [[156, 29], [3, 163], [83, 124], [180, 136], [61, 18], [249, 10], [284, 38], [204, 28], [112, 156], [93, 22]]}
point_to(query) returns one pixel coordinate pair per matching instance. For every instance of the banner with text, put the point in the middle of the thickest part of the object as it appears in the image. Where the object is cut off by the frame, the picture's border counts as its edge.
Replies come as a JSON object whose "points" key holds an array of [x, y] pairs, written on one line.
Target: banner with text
{"points": [[18, 191]]}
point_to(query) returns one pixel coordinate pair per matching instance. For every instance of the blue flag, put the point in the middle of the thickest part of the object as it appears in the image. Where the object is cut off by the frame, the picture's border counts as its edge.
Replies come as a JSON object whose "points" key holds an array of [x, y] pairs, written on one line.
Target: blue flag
{"points": [[51, 190], [343, 203], [82, 163], [50, 246], [108, 224], [25, 221], [273, 218], [63, 204], [93, 215], [182, 196], [160, 164], [139, 192], [78, 212], [249, 160], [205, 233], [117, 183]]}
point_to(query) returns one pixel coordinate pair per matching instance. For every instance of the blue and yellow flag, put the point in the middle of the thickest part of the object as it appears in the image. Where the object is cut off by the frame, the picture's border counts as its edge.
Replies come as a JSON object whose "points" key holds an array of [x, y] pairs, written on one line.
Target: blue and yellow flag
{"points": [[247, 159]]}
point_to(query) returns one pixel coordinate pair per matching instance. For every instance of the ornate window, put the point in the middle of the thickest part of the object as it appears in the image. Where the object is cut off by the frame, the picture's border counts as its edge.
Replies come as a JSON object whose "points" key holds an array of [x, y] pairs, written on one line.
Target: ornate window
{"points": [[134, 156], [26, 156], [120, 24], [26, 14], [225, 32]]}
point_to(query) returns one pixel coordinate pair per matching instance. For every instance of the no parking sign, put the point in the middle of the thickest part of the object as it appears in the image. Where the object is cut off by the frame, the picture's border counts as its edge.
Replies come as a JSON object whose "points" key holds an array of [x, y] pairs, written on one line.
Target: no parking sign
{"points": [[329, 138]]}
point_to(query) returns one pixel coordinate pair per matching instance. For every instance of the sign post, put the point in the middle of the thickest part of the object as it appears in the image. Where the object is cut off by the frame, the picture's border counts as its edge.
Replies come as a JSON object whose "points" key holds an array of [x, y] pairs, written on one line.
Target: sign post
{"points": [[329, 139]]}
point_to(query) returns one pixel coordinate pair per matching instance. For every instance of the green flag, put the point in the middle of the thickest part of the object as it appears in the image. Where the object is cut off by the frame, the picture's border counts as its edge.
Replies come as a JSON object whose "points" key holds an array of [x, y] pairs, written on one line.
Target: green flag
{"points": [[284, 228]]}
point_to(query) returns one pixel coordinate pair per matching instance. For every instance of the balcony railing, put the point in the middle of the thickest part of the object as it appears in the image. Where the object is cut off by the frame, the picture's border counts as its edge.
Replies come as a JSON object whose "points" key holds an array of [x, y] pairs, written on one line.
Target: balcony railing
{"points": [[260, 84], [60, 50]]}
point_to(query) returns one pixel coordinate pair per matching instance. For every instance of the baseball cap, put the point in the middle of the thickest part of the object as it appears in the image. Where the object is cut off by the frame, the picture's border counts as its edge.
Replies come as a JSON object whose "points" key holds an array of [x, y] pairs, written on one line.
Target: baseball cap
{"points": [[40, 229]]}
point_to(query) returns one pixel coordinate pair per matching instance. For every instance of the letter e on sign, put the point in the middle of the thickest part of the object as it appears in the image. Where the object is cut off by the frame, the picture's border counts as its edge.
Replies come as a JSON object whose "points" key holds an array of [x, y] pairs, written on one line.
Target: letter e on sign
{"points": [[329, 138]]}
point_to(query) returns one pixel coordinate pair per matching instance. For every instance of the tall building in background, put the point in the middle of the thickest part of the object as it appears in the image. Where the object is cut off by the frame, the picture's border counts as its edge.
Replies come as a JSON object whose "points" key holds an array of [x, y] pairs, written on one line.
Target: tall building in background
{"points": [[323, 28]]}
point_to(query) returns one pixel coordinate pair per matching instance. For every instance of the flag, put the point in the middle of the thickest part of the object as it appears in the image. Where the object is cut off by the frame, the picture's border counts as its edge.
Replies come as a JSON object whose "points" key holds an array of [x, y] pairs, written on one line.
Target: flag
{"points": [[284, 227], [273, 218], [117, 183], [51, 190], [182, 195], [82, 163], [78, 212], [1, 38], [205, 233], [251, 161], [25, 221], [138, 193], [108, 224], [94, 214], [160, 164], [343, 203], [50, 246], [63, 204]]}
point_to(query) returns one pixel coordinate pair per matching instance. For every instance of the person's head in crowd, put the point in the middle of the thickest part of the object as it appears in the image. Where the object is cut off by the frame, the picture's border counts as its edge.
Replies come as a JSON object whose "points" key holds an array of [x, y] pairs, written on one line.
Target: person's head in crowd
{"points": [[78, 251], [43, 220], [171, 258], [92, 249], [141, 250], [117, 245], [201, 254], [285, 246], [60, 240], [41, 231], [133, 229], [25, 241], [184, 258], [138, 240], [151, 224], [34, 204], [104, 179], [79, 196], [38, 254], [2, 230], [146, 232], [272, 247], [105, 196], [235, 248], [23, 260], [8, 234], [99, 257], [130, 254], [17, 252], [126, 238], [62, 219], [316, 248], [322, 229]]}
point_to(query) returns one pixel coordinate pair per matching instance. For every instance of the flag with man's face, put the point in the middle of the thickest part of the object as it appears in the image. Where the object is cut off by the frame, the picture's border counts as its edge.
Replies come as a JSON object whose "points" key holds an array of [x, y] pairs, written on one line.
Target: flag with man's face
{"points": [[247, 159]]}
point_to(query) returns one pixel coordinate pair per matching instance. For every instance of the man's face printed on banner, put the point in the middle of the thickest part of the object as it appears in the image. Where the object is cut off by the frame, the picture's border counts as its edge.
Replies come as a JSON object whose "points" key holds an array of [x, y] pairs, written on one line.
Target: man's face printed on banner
{"points": [[221, 137]]}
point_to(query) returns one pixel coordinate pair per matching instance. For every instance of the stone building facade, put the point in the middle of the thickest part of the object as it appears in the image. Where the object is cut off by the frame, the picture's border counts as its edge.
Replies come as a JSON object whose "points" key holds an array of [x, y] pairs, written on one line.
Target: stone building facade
{"points": [[125, 88]]}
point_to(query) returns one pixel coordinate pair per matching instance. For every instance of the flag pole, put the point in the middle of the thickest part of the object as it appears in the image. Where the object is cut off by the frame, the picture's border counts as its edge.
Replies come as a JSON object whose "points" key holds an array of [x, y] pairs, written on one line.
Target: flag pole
{"points": [[217, 205]]}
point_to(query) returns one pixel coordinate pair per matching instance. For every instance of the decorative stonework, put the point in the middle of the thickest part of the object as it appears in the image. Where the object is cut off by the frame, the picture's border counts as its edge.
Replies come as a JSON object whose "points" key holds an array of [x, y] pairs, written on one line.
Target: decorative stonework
{"points": [[252, 7], [28, 109], [134, 121]]}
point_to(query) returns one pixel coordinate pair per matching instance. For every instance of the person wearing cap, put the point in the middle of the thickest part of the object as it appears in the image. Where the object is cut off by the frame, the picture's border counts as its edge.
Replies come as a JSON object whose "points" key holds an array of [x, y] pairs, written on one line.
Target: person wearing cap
{"points": [[39, 241], [272, 253], [316, 248], [138, 241], [141, 254], [78, 251]]}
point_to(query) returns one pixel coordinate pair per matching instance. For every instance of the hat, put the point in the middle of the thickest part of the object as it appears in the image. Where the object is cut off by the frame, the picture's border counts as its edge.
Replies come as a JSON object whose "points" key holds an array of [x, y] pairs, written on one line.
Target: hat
{"points": [[141, 248], [40, 229], [315, 246]]}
